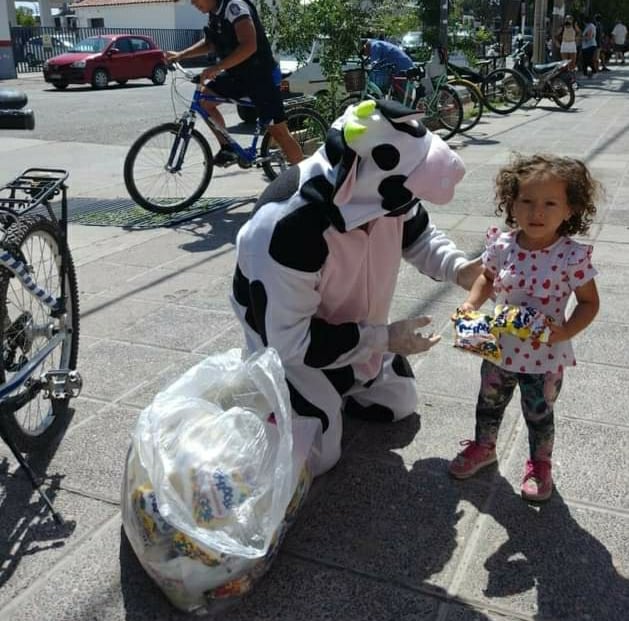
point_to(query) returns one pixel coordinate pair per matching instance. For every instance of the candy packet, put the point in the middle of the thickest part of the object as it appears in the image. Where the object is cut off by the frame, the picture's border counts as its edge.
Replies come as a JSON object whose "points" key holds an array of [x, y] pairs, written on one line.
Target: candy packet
{"points": [[472, 332]]}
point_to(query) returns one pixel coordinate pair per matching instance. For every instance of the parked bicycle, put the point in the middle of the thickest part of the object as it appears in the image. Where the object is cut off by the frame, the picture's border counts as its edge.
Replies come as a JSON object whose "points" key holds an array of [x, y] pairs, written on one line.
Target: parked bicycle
{"points": [[503, 90], [440, 104], [39, 305], [169, 167]]}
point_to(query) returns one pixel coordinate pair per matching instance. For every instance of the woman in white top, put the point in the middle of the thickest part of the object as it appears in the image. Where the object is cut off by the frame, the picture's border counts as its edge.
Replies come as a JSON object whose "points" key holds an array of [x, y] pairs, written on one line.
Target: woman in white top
{"points": [[567, 41]]}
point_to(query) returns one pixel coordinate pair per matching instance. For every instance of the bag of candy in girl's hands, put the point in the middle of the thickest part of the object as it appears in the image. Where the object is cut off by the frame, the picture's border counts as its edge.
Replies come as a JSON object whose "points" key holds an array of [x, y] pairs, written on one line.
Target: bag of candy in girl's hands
{"points": [[524, 322], [216, 472], [478, 332], [473, 333]]}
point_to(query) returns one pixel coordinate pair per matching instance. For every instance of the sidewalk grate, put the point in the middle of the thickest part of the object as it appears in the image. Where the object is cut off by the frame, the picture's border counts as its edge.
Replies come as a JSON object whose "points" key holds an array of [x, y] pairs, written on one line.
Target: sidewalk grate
{"points": [[125, 213]]}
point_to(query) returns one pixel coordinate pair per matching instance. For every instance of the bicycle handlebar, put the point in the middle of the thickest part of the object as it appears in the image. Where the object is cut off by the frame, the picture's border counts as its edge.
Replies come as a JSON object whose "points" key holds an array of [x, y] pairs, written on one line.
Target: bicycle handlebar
{"points": [[12, 112]]}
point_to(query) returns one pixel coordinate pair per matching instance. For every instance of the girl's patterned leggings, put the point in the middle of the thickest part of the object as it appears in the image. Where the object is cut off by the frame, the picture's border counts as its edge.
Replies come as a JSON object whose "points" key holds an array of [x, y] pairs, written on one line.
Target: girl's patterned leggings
{"points": [[538, 393]]}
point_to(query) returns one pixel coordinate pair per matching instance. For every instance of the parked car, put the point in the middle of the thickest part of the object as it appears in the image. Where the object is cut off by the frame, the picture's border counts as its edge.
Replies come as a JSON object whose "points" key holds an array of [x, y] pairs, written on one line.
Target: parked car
{"points": [[102, 59], [40, 48], [309, 79], [413, 44]]}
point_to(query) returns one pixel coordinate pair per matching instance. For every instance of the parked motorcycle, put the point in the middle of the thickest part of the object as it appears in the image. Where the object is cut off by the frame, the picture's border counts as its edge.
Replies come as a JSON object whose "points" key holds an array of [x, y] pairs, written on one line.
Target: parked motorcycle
{"points": [[549, 80]]}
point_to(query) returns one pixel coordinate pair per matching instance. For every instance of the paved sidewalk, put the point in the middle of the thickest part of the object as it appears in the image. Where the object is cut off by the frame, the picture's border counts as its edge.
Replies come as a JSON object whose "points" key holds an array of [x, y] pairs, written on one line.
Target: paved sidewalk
{"points": [[387, 534]]}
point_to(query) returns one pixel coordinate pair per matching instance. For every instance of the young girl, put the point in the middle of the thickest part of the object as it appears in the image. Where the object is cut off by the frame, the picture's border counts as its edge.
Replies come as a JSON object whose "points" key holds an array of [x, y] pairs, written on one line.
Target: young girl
{"points": [[545, 199], [567, 41]]}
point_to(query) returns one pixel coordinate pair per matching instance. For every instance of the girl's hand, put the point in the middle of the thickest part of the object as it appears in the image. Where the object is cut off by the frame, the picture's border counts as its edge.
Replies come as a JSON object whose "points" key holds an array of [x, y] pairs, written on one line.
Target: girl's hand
{"points": [[466, 306], [558, 333]]}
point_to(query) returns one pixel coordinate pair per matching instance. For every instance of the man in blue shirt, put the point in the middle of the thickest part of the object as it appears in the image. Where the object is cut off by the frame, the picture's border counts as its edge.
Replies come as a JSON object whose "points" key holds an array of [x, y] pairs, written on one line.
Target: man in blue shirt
{"points": [[390, 57]]}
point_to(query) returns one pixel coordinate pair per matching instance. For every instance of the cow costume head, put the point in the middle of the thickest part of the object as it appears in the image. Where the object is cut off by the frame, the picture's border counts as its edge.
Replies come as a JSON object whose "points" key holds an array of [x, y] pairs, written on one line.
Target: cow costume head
{"points": [[386, 144], [379, 160]]}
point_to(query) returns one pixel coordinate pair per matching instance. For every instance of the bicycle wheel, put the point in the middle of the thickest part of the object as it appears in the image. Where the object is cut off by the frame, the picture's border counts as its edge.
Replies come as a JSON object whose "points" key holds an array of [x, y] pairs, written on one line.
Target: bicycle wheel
{"points": [[161, 188], [27, 325], [563, 93], [444, 115], [472, 101], [504, 90], [307, 127]]}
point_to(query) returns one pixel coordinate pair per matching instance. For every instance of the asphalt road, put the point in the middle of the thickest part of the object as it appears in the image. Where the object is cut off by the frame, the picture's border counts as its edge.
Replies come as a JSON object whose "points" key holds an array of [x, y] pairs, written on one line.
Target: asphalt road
{"points": [[113, 116]]}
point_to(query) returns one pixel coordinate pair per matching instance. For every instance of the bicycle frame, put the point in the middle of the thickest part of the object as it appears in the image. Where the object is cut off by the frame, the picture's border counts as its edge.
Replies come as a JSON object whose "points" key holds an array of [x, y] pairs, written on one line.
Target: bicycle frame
{"points": [[187, 121]]}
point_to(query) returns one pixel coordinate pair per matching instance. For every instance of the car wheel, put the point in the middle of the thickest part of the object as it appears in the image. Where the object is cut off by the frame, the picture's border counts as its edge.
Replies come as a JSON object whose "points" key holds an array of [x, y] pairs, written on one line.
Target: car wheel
{"points": [[60, 85], [247, 114], [122, 82], [159, 75], [100, 79]]}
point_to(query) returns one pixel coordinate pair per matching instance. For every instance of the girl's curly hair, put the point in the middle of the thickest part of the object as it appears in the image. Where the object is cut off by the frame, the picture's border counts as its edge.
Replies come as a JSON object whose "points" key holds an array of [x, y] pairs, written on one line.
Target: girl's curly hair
{"points": [[581, 189]]}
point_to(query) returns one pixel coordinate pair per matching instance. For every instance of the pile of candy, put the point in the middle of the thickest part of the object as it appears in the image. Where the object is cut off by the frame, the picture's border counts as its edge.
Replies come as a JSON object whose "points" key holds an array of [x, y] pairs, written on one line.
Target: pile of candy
{"points": [[477, 332]]}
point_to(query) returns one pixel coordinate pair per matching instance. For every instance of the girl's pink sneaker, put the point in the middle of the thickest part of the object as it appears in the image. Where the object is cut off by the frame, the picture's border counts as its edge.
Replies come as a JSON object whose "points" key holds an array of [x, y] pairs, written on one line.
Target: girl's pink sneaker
{"points": [[537, 484], [470, 460]]}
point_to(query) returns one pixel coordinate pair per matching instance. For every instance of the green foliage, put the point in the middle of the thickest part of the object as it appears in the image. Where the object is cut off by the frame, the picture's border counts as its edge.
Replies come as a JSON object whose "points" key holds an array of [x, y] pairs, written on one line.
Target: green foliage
{"points": [[24, 17]]}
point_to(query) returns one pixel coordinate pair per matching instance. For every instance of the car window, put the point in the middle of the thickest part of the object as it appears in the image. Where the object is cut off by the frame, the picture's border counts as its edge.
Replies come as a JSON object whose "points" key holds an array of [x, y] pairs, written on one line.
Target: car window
{"points": [[91, 44], [124, 45], [140, 45]]}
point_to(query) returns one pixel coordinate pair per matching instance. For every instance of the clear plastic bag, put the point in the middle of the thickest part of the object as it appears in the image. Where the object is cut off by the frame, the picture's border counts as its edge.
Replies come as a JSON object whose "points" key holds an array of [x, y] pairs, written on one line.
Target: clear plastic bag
{"points": [[214, 476]]}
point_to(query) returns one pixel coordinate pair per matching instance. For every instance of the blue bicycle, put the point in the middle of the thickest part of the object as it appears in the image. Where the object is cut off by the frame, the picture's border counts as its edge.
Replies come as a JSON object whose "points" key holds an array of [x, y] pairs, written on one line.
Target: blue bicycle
{"points": [[169, 167]]}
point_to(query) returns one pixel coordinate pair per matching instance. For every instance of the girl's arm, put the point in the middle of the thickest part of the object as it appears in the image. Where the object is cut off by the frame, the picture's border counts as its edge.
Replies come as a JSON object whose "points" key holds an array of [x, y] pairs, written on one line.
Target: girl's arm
{"points": [[481, 291], [582, 316]]}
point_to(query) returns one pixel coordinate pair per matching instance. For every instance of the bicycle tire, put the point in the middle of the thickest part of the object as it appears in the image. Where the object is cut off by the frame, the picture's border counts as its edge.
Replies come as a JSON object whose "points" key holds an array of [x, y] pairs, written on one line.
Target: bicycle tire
{"points": [[472, 103], [309, 130], [26, 324], [504, 91], [449, 116], [154, 187], [561, 88]]}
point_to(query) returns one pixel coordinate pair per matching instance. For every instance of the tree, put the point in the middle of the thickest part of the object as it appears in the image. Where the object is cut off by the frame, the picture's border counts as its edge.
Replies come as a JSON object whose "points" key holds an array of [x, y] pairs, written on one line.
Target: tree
{"points": [[24, 17]]}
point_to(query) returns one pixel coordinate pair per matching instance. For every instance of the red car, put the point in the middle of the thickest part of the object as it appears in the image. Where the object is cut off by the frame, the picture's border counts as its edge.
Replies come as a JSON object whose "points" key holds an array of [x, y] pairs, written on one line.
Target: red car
{"points": [[107, 58]]}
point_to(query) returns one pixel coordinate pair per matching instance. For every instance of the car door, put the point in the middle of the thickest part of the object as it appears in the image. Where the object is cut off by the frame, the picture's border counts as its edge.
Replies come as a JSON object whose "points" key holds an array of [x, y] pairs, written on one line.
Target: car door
{"points": [[120, 63], [145, 57]]}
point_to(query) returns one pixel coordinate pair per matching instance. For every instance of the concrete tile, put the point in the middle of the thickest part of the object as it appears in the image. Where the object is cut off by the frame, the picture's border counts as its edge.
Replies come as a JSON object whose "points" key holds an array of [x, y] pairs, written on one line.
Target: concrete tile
{"points": [[602, 342], [231, 336], [31, 543], [546, 563], [110, 369], [101, 276], [145, 393], [178, 327], [588, 393], [104, 316], [582, 457], [386, 520]]}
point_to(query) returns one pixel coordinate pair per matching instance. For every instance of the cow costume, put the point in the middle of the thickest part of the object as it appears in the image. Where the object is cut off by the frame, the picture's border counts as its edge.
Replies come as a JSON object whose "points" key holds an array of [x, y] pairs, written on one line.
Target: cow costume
{"points": [[317, 264]]}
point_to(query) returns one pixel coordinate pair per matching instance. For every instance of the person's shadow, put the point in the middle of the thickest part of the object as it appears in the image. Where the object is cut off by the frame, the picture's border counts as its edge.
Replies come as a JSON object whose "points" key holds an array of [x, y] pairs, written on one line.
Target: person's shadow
{"points": [[548, 550]]}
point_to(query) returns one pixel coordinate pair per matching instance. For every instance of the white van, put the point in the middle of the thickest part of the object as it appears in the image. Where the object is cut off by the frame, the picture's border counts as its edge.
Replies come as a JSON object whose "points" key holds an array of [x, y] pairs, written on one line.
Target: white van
{"points": [[308, 78]]}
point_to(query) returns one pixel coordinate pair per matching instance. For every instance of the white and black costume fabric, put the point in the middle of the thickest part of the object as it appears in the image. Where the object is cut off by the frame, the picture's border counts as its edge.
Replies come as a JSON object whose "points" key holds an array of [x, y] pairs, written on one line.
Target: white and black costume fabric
{"points": [[318, 261]]}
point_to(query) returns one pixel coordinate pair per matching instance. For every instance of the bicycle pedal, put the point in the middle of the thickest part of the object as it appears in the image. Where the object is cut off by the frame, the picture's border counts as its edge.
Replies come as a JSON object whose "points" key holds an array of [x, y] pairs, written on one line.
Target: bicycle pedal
{"points": [[244, 163], [61, 384]]}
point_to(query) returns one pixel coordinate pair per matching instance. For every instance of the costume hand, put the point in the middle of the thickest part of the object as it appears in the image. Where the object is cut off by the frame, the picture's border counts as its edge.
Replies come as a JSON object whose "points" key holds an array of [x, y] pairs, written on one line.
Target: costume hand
{"points": [[468, 273], [404, 338]]}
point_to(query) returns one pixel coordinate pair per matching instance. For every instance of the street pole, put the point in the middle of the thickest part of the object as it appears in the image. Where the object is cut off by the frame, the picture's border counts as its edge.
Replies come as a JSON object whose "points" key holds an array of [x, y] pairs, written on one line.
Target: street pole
{"points": [[539, 31], [444, 8], [556, 24]]}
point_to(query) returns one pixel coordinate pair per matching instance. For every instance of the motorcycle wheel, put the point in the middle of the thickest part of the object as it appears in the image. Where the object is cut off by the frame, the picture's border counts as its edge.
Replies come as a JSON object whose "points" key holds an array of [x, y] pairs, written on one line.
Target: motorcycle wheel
{"points": [[562, 92]]}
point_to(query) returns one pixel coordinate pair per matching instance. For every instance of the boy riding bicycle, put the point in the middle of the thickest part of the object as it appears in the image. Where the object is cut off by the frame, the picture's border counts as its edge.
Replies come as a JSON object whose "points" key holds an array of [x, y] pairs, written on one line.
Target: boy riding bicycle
{"points": [[245, 69]]}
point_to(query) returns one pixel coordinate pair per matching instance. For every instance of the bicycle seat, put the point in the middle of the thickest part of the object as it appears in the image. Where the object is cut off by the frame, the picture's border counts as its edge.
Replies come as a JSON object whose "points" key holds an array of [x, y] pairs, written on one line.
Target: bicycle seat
{"points": [[10, 99]]}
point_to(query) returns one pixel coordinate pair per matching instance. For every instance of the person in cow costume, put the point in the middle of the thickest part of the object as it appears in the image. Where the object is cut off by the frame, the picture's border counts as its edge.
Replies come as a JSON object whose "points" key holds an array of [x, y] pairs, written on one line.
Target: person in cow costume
{"points": [[317, 265]]}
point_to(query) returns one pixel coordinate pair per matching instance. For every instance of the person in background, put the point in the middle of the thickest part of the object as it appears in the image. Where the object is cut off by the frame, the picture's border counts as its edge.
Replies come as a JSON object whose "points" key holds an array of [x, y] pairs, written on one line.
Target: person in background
{"points": [[567, 41], [390, 57], [588, 49], [619, 35], [546, 200], [602, 45], [245, 68]]}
